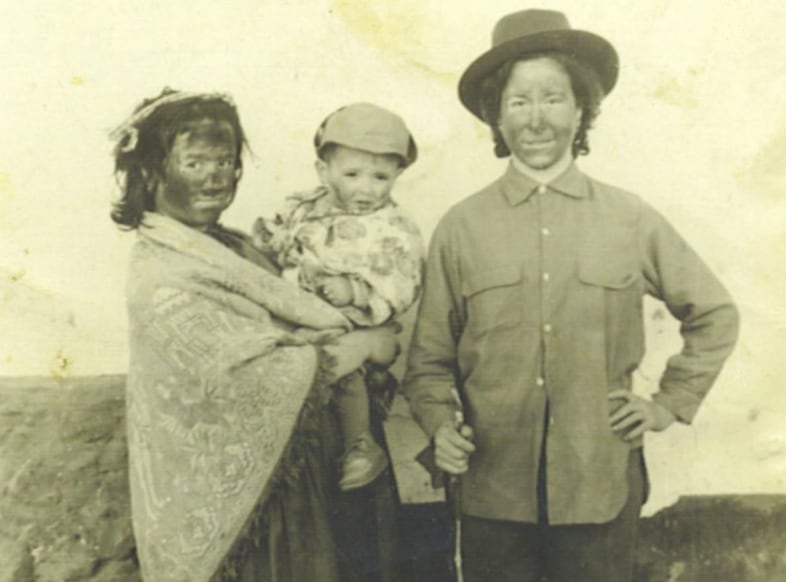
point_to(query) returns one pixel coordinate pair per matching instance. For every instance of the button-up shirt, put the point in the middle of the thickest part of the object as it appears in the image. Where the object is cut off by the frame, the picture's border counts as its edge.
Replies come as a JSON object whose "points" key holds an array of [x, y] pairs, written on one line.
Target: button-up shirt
{"points": [[532, 306]]}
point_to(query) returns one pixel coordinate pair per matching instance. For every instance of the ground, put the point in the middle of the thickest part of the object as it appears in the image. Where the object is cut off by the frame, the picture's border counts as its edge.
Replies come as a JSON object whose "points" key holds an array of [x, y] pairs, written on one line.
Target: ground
{"points": [[63, 491]]}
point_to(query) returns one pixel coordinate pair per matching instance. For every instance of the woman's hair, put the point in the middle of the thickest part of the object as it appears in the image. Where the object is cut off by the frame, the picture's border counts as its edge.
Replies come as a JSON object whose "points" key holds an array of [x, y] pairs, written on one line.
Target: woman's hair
{"points": [[145, 140], [583, 81]]}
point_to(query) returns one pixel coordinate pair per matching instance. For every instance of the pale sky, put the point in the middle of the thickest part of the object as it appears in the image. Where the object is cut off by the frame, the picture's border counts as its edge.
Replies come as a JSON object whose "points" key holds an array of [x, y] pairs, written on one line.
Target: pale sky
{"points": [[696, 126]]}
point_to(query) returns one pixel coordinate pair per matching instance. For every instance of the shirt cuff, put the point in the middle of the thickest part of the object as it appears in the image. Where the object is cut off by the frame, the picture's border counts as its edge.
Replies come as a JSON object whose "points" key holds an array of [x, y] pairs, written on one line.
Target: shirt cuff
{"points": [[433, 417], [680, 402]]}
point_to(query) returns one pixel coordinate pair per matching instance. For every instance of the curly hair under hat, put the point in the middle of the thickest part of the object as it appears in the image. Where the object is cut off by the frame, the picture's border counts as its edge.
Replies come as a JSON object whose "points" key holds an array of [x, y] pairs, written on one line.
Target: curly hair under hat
{"points": [[586, 89]]}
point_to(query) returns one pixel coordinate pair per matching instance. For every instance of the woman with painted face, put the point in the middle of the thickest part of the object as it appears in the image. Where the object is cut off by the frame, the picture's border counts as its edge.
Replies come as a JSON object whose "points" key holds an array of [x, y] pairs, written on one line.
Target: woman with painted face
{"points": [[534, 290], [231, 435]]}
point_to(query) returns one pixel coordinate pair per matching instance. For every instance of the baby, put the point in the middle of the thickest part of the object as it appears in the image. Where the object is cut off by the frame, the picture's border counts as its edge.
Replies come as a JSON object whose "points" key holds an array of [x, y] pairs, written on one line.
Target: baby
{"points": [[349, 242]]}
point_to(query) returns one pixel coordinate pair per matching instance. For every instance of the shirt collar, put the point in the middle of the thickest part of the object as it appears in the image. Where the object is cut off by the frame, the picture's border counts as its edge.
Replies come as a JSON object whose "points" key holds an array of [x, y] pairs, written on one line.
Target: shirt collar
{"points": [[518, 187]]}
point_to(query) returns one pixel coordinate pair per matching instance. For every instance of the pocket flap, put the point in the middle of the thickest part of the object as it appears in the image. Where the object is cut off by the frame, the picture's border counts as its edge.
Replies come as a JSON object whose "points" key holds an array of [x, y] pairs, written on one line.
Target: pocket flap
{"points": [[609, 274], [490, 278]]}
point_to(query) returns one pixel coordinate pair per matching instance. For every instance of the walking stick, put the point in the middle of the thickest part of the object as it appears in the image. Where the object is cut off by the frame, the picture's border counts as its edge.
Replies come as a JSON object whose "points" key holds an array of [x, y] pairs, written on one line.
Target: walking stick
{"points": [[452, 484], [453, 497], [453, 494]]}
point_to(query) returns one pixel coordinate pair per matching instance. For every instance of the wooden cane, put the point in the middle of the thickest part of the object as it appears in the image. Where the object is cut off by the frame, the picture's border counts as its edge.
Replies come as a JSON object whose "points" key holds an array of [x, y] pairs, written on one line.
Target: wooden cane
{"points": [[453, 492]]}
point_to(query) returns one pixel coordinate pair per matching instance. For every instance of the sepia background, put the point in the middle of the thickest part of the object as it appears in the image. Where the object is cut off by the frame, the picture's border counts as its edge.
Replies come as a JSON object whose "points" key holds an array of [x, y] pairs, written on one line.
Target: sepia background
{"points": [[696, 126]]}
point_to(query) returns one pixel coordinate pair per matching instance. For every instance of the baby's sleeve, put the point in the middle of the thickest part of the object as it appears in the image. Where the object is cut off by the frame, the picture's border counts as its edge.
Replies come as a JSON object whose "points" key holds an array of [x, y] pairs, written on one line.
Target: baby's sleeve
{"points": [[276, 236]]}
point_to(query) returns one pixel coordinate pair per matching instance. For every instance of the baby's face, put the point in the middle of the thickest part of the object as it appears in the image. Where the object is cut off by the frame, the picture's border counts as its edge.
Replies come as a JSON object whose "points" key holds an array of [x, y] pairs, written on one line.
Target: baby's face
{"points": [[361, 181]]}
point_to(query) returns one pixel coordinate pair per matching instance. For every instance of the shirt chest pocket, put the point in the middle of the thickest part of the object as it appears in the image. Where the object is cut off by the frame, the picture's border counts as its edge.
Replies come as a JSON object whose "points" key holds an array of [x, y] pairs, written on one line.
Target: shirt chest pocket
{"points": [[609, 260], [493, 298], [611, 292]]}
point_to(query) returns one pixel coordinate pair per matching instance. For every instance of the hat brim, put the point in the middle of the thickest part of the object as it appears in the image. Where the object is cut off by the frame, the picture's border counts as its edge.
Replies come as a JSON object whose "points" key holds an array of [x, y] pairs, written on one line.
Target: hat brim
{"points": [[590, 49]]}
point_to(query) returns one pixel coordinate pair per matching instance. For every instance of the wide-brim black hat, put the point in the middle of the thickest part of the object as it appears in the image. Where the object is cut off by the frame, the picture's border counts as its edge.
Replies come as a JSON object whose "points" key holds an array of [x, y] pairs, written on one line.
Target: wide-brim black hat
{"points": [[534, 31]]}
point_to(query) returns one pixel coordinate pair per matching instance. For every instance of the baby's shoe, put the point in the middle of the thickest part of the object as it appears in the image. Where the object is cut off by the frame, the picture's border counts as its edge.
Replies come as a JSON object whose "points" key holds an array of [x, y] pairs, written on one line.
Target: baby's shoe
{"points": [[363, 462]]}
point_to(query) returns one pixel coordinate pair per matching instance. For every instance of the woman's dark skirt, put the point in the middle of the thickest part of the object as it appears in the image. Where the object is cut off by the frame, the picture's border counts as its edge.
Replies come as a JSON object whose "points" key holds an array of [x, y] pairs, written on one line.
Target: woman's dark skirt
{"points": [[309, 531]]}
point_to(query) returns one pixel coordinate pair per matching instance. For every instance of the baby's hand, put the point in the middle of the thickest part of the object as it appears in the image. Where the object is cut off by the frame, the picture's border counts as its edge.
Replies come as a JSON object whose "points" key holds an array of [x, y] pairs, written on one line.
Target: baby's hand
{"points": [[261, 233], [337, 290]]}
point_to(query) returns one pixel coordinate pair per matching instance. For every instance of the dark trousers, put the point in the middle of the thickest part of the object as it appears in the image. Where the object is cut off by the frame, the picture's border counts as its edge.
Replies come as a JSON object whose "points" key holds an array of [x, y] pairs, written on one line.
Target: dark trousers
{"points": [[507, 551]]}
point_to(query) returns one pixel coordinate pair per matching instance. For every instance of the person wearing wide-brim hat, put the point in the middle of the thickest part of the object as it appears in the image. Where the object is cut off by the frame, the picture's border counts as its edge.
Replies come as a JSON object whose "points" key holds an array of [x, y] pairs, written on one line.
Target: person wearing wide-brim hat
{"points": [[532, 313]]}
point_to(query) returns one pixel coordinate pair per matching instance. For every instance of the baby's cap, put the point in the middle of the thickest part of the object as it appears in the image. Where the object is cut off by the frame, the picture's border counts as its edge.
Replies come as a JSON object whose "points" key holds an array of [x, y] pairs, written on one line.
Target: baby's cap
{"points": [[367, 127]]}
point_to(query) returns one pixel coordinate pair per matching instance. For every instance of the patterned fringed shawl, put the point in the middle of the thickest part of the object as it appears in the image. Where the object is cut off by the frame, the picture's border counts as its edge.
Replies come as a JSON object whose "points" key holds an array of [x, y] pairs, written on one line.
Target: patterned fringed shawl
{"points": [[220, 368]]}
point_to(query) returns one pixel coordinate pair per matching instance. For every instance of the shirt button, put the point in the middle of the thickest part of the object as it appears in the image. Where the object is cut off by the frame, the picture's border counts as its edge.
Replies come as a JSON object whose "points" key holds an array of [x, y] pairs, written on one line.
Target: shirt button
{"points": [[545, 231], [540, 381], [547, 328], [546, 277], [542, 189]]}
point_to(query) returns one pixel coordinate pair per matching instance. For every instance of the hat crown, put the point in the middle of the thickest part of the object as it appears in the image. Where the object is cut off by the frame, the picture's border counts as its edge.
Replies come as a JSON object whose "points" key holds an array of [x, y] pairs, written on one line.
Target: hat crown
{"points": [[532, 31], [527, 22]]}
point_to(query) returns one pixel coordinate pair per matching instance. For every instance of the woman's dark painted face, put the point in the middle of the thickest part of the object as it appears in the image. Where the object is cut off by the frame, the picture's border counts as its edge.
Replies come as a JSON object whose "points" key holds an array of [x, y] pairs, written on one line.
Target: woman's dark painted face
{"points": [[199, 176], [539, 116]]}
